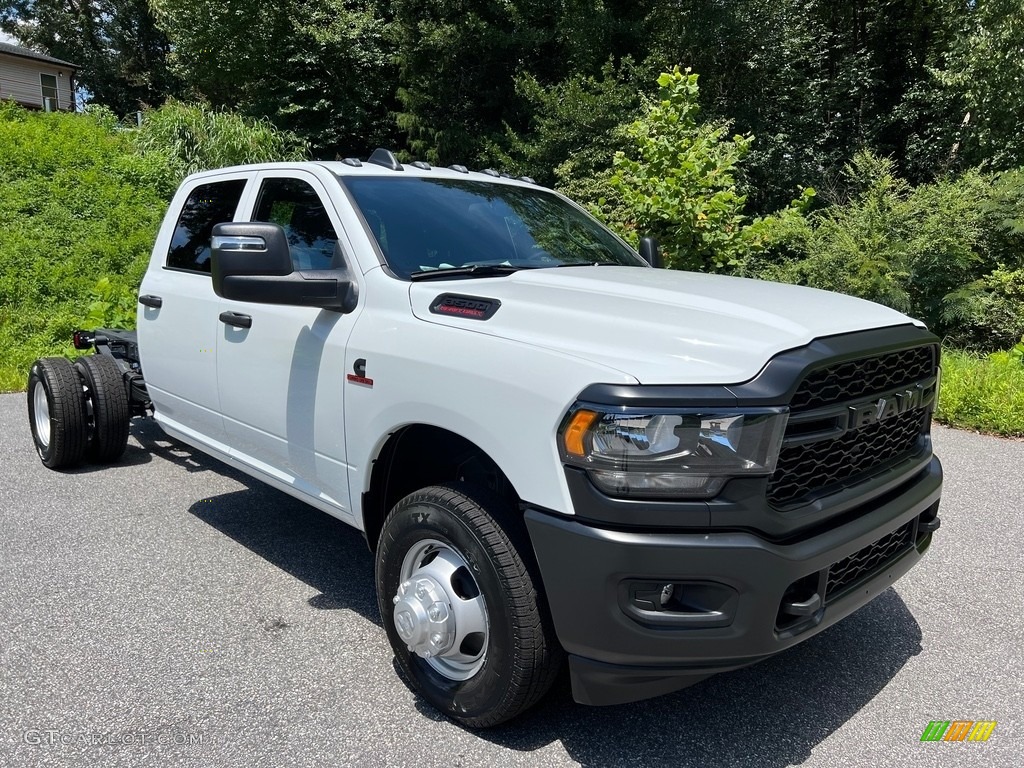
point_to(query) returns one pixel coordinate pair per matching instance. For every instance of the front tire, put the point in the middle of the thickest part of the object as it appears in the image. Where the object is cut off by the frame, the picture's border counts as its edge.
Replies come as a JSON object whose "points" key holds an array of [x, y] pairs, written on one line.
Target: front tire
{"points": [[463, 613], [56, 412]]}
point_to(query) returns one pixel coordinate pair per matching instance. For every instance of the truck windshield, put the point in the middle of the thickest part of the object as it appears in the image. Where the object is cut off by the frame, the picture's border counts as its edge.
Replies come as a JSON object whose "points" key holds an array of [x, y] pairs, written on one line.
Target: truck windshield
{"points": [[426, 225]]}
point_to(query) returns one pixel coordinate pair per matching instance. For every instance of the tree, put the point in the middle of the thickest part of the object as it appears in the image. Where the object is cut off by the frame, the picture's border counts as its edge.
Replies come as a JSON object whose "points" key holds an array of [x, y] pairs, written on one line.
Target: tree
{"points": [[121, 53], [319, 68], [815, 80], [679, 181], [575, 129], [466, 66], [985, 67], [457, 62]]}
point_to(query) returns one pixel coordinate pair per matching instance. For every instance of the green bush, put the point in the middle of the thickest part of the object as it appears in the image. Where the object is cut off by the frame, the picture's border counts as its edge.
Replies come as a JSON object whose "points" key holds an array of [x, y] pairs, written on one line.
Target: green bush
{"points": [[987, 314], [678, 183], [906, 247], [577, 129], [1003, 210], [950, 252], [81, 199], [77, 203], [192, 137], [984, 393]]}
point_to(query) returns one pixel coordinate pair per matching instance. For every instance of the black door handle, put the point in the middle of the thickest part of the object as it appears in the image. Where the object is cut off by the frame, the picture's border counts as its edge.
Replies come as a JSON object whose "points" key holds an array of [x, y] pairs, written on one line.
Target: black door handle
{"points": [[151, 301], [236, 319]]}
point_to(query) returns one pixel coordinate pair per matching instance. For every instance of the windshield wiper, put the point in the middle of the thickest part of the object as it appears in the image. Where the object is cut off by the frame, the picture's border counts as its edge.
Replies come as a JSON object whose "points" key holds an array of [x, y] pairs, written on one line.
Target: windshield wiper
{"points": [[474, 270]]}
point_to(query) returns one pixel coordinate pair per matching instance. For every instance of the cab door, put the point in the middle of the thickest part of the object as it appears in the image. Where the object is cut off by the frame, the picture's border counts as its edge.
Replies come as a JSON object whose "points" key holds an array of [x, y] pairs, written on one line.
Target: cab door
{"points": [[281, 368], [177, 317]]}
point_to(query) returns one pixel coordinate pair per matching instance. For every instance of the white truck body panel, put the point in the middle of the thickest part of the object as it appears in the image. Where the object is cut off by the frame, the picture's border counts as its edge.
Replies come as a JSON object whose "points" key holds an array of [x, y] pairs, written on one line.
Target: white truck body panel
{"points": [[282, 408], [504, 389], [657, 325]]}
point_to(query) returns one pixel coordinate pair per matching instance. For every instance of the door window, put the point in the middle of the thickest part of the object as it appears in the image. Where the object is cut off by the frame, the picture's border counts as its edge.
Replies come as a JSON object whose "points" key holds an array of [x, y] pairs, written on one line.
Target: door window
{"points": [[207, 205], [296, 207]]}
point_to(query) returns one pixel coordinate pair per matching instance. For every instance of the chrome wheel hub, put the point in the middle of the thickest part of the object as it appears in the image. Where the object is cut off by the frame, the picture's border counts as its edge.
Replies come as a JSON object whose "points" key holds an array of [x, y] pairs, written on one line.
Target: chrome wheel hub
{"points": [[439, 612], [41, 408]]}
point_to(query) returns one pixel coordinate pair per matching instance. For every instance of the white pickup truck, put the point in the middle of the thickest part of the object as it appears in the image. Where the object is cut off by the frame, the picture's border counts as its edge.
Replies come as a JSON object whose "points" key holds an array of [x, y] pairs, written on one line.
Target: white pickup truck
{"points": [[554, 449]]}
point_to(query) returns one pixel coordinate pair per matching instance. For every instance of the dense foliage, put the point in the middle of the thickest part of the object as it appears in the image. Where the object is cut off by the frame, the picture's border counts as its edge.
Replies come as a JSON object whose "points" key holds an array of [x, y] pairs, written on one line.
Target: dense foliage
{"points": [[937, 85], [81, 199], [119, 49], [862, 146], [190, 138], [949, 252]]}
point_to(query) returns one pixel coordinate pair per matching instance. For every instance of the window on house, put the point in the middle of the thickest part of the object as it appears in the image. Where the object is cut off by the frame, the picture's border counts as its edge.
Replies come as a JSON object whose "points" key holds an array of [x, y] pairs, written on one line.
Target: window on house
{"points": [[48, 83]]}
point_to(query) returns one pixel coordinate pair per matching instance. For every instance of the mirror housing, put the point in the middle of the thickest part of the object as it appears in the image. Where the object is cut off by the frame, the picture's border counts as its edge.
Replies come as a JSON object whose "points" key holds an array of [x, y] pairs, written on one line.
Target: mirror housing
{"points": [[649, 251], [251, 261]]}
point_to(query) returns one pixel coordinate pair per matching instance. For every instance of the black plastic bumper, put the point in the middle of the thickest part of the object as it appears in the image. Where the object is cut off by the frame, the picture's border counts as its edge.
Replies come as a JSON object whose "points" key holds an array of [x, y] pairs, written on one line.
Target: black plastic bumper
{"points": [[736, 597]]}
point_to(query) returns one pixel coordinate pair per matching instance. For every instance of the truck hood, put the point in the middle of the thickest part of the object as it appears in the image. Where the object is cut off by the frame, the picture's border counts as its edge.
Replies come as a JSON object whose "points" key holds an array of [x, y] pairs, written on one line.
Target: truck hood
{"points": [[659, 326]]}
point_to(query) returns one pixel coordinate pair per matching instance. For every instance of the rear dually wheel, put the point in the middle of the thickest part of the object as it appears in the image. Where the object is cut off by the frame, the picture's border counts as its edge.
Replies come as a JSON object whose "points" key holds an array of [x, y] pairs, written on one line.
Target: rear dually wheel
{"points": [[56, 412], [107, 410]]}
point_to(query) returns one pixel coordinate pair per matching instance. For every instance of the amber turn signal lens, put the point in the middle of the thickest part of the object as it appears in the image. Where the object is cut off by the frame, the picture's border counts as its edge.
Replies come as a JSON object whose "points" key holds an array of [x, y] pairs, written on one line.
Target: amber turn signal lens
{"points": [[577, 428]]}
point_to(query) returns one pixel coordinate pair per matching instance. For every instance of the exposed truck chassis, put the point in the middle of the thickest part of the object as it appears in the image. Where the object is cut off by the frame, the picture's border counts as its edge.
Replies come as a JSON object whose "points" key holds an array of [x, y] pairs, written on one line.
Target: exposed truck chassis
{"points": [[80, 409], [123, 347]]}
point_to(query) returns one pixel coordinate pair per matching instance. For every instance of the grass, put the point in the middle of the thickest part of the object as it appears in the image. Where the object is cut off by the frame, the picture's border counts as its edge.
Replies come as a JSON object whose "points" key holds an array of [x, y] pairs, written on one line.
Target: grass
{"points": [[15, 360], [983, 392]]}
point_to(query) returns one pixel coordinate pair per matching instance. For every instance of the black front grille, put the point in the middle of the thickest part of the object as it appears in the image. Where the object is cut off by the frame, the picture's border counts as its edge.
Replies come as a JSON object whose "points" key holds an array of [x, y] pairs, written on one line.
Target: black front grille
{"points": [[853, 379], [865, 563], [809, 470], [815, 469]]}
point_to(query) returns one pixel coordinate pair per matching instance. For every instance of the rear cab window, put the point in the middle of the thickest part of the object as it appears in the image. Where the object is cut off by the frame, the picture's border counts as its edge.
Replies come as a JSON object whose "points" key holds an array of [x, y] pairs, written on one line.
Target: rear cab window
{"points": [[207, 205]]}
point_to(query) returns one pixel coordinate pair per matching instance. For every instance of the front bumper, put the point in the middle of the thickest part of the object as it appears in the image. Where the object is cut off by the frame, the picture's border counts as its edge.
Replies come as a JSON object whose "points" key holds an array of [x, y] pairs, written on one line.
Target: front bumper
{"points": [[736, 598]]}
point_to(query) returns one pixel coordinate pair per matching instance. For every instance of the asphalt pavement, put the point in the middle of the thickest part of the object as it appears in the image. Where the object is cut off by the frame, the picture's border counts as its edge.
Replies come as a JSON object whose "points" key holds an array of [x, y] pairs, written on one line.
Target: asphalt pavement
{"points": [[170, 611]]}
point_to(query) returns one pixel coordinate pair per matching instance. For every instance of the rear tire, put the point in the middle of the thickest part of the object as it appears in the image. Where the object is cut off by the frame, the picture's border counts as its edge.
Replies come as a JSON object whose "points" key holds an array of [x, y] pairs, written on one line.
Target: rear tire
{"points": [[106, 407], [56, 412], [452, 583]]}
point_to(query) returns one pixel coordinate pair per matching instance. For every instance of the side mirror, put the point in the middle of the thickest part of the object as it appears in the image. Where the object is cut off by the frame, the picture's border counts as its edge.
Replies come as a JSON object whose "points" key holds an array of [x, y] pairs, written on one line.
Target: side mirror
{"points": [[252, 262], [649, 251]]}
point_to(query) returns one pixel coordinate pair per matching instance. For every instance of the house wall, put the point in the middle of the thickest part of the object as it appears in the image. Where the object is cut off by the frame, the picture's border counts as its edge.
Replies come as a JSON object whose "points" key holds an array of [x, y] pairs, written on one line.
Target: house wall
{"points": [[19, 80]]}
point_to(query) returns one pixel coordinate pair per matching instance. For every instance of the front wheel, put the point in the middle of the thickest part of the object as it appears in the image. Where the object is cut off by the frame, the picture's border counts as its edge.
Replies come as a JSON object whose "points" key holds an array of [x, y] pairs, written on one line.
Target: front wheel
{"points": [[461, 609]]}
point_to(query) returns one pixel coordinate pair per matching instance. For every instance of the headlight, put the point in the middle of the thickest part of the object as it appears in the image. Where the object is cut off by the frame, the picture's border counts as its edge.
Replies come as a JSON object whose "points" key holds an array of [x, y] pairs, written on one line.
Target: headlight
{"points": [[680, 453]]}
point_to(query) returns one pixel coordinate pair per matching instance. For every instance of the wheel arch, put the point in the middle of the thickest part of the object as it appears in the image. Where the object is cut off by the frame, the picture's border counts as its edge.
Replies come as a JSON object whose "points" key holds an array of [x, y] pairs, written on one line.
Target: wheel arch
{"points": [[419, 455]]}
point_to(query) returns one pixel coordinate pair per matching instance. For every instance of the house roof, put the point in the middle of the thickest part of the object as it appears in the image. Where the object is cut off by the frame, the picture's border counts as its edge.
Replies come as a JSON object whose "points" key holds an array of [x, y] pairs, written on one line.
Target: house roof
{"points": [[27, 53]]}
